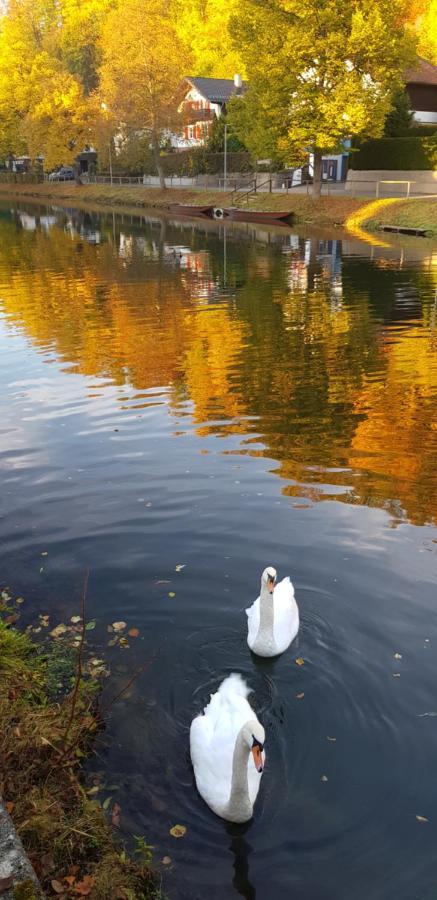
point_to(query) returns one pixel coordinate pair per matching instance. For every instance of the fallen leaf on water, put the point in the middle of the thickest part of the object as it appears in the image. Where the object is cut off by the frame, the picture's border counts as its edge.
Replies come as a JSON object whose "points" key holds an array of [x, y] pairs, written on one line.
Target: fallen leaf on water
{"points": [[427, 715], [328, 738], [90, 625], [105, 804], [166, 860], [41, 569], [85, 886], [44, 553], [133, 632], [396, 674], [422, 819], [324, 778], [178, 831], [300, 696], [19, 600], [9, 806], [115, 817], [397, 655], [57, 886], [171, 594], [6, 883], [123, 642], [58, 631], [299, 661], [179, 567], [75, 619], [93, 791], [119, 626], [162, 581], [113, 642]]}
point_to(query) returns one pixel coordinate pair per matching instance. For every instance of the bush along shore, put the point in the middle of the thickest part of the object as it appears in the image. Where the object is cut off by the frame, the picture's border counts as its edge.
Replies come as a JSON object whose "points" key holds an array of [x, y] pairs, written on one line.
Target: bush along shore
{"points": [[49, 722]]}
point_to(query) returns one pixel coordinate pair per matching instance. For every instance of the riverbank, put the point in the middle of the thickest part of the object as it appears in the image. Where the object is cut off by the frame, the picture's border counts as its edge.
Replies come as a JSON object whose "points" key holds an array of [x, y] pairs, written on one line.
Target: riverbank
{"points": [[327, 211], [49, 721]]}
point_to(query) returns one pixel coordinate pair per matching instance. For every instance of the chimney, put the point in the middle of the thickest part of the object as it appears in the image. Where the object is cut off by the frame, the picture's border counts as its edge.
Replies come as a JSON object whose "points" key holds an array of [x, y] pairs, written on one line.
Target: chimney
{"points": [[238, 83]]}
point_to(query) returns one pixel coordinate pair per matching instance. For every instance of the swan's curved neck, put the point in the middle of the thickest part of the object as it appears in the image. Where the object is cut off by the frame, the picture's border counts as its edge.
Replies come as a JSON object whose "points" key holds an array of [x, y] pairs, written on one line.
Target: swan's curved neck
{"points": [[239, 806], [265, 630]]}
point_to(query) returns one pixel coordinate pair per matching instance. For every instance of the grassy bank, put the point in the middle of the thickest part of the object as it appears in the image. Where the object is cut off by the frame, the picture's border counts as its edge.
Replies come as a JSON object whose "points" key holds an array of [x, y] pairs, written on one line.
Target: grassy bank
{"points": [[49, 721], [327, 211], [350, 212]]}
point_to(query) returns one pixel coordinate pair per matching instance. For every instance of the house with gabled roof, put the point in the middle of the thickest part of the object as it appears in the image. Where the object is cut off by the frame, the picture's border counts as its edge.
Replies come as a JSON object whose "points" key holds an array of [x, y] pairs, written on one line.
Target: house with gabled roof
{"points": [[421, 85], [203, 100]]}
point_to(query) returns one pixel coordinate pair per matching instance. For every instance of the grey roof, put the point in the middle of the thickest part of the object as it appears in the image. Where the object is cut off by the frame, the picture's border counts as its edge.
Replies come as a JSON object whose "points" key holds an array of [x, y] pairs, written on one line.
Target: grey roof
{"points": [[216, 90]]}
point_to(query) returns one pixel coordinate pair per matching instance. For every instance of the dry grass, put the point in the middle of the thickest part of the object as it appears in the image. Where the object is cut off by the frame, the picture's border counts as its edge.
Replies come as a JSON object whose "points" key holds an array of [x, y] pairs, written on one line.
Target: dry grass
{"points": [[42, 746]]}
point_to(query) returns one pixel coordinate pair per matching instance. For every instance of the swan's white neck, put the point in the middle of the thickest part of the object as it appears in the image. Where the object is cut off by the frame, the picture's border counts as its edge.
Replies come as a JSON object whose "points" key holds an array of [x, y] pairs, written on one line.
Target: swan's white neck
{"points": [[265, 638], [239, 807]]}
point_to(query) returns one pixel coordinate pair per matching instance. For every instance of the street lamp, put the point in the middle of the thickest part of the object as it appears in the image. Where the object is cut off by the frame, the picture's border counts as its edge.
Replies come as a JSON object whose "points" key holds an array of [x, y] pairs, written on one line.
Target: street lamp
{"points": [[105, 107], [225, 161]]}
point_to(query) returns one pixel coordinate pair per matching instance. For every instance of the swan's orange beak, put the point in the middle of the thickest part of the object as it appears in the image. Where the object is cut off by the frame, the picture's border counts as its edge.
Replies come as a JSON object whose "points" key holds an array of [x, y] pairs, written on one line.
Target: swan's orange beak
{"points": [[270, 584], [257, 758]]}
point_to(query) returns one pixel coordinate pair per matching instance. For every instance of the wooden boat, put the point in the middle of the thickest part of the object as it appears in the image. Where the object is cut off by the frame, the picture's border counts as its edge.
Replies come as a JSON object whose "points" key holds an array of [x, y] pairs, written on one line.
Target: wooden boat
{"points": [[258, 215], [202, 212]]}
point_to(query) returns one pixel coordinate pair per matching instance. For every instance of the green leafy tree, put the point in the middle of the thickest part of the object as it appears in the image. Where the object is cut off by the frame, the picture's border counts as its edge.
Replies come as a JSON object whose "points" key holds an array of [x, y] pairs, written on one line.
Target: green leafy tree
{"points": [[318, 73], [400, 116], [216, 138]]}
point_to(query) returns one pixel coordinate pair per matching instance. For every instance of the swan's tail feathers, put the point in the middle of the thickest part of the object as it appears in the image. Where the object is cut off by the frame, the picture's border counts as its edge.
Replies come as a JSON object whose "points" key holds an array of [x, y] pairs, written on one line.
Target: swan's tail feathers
{"points": [[234, 684]]}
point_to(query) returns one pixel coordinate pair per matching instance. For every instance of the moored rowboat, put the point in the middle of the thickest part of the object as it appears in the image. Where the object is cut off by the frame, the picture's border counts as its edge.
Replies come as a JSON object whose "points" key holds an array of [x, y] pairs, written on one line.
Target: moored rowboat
{"points": [[193, 211]]}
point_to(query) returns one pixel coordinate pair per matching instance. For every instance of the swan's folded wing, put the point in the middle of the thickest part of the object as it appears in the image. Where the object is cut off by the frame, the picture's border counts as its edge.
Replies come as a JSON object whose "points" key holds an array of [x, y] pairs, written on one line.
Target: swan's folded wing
{"points": [[252, 621], [286, 614]]}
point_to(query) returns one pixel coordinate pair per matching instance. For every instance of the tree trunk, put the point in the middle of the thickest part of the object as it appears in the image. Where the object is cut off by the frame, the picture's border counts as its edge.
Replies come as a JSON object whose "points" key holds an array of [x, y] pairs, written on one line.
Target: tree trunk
{"points": [[317, 177], [159, 169]]}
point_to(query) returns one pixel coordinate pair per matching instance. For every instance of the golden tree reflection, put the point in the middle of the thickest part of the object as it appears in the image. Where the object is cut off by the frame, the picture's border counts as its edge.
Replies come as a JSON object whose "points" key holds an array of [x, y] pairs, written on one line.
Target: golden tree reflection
{"points": [[327, 365]]}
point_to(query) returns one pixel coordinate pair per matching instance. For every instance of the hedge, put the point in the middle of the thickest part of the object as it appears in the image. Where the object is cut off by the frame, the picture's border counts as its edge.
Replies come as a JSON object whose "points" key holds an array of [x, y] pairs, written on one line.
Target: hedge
{"points": [[200, 161], [396, 153]]}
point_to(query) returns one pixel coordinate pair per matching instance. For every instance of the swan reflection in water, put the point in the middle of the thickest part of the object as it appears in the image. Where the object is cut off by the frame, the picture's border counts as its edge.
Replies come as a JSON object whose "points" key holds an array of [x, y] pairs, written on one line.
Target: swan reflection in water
{"points": [[241, 850]]}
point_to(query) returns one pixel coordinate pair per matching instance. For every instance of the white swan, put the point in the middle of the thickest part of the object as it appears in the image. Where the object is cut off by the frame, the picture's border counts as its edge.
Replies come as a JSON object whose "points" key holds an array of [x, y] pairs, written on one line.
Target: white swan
{"points": [[227, 752], [273, 620]]}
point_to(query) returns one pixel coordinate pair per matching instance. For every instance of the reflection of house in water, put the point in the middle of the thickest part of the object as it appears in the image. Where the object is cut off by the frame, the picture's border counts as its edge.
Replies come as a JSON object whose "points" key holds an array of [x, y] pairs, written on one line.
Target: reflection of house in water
{"points": [[314, 264]]}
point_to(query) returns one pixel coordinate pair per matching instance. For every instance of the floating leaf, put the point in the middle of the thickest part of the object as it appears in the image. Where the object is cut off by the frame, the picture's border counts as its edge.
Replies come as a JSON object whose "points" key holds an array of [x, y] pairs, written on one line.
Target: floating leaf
{"points": [[93, 791], [299, 661], [115, 818], [427, 715], [119, 626], [178, 831], [328, 738], [397, 655], [58, 631], [57, 886], [105, 804], [324, 778], [19, 600], [396, 674], [133, 632], [171, 594], [123, 642], [44, 553], [41, 570], [90, 625], [300, 696], [76, 619], [422, 819], [166, 860], [179, 567]]}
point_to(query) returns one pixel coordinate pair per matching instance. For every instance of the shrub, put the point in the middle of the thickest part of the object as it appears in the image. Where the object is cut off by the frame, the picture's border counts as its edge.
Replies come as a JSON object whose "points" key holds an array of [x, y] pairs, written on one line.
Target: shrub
{"points": [[396, 153]]}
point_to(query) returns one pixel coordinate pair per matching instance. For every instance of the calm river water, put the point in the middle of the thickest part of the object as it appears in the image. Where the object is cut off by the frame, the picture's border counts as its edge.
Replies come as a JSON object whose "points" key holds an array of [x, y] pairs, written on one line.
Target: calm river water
{"points": [[178, 394]]}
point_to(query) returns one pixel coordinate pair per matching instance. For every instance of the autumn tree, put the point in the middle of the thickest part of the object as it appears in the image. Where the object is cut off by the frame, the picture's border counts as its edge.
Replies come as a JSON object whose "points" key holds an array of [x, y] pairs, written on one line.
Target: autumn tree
{"points": [[143, 65], [318, 73], [203, 25], [43, 109]]}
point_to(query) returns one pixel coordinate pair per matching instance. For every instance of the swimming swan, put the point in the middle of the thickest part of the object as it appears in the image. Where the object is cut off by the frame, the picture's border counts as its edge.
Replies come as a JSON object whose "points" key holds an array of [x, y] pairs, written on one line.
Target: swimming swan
{"points": [[227, 752], [273, 620]]}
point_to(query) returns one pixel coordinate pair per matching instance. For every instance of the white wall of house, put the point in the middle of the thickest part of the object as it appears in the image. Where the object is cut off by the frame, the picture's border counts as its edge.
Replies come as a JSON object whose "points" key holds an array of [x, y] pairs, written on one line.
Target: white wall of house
{"points": [[424, 117], [186, 141]]}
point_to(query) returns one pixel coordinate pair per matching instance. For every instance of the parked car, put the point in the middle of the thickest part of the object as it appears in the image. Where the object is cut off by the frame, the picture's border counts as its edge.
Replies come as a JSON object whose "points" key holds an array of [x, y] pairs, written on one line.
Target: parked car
{"points": [[65, 173]]}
